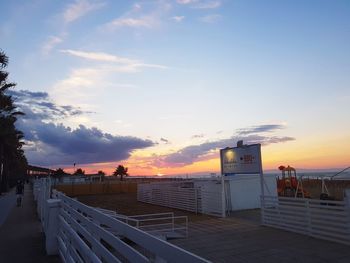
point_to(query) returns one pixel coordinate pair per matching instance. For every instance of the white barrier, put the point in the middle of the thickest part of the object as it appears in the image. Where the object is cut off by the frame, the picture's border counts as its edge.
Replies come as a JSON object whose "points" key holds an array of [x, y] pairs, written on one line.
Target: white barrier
{"points": [[84, 234], [163, 225], [324, 219], [181, 196]]}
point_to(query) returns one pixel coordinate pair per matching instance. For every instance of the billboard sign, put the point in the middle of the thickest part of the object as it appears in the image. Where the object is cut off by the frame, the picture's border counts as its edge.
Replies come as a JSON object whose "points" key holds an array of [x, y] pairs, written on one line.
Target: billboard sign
{"points": [[245, 159]]}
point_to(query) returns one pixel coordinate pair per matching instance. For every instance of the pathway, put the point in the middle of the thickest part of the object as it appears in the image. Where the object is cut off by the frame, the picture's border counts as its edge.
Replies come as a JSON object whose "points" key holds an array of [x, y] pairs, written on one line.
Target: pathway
{"points": [[21, 236]]}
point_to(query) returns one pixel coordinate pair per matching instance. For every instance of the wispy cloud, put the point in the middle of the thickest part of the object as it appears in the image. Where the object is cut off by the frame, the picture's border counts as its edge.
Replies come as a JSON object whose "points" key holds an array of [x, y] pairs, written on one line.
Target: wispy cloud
{"points": [[197, 136], [131, 65], [80, 84], [136, 17], [50, 43], [261, 129], [99, 56], [200, 4], [79, 9], [210, 19], [209, 149], [194, 153], [207, 5], [146, 21], [178, 18], [165, 141], [186, 2]]}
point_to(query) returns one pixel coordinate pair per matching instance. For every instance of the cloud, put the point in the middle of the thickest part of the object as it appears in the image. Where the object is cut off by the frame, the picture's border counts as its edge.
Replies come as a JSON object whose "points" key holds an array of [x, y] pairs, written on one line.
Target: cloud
{"points": [[98, 56], [209, 150], [146, 21], [79, 9], [207, 5], [210, 19], [165, 141], [83, 145], [260, 129], [193, 153], [48, 143], [80, 84], [37, 105], [50, 43], [199, 4], [104, 57], [136, 19], [186, 2], [196, 136], [178, 18]]}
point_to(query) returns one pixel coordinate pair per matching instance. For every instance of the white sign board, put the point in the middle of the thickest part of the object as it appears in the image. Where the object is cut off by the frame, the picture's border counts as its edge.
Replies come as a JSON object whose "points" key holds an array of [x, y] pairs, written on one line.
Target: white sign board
{"points": [[241, 160]]}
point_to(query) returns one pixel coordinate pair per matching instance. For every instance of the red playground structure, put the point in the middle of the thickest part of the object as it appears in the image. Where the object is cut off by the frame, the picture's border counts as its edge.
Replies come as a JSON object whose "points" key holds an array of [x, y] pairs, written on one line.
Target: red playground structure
{"points": [[289, 185]]}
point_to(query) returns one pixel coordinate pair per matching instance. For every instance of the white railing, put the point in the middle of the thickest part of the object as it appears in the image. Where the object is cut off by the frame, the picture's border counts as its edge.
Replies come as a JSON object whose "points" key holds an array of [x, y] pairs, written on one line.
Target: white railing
{"points": [[193, 199], [84, 234], [209, 202], [324, 219], [163, 225], [169, 196]]}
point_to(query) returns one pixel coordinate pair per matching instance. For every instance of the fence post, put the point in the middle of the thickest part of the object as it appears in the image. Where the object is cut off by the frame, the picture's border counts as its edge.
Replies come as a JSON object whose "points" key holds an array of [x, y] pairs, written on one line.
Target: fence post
{"points": [[347, 208], [308, 217], [196, 198], [51, 226]]}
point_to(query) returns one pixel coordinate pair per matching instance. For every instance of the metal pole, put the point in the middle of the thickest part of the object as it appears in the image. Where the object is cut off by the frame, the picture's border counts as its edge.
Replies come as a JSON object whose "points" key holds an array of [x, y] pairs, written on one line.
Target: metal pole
{"points": [[262, 180], [223, 196]]}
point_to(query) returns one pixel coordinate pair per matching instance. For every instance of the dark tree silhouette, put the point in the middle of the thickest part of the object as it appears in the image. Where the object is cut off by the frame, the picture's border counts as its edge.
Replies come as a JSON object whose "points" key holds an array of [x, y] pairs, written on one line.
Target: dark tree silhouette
{"points": [[13, 163], [59, 172], [121, 171], [102, 174], [79, 171]]}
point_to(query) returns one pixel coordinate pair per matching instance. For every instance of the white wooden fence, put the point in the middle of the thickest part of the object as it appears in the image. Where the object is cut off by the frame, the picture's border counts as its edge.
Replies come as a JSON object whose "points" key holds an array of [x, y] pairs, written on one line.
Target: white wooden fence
{"points": [[322, 219], [188, 198], [83, 234]]}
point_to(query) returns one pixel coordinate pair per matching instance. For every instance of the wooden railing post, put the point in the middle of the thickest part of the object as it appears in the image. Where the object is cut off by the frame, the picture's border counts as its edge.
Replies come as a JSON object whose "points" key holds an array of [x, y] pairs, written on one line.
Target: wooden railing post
{"points": [[51, 225]]}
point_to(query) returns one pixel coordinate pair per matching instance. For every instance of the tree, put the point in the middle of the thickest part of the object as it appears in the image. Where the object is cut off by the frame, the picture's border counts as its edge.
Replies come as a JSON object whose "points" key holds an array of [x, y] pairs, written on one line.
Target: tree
{"points": [[102, 175], [79, 171], [59, 172], [121, 171], [13, 162]]}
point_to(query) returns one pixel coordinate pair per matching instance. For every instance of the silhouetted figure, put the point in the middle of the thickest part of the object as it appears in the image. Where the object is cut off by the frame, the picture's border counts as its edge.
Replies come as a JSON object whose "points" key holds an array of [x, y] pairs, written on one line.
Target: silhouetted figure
{"points": [[19, 192]]}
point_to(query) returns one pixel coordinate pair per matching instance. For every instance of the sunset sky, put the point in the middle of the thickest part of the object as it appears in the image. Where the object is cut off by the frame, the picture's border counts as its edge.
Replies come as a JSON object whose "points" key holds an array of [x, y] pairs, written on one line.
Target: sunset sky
{"points": [[161, 86]]}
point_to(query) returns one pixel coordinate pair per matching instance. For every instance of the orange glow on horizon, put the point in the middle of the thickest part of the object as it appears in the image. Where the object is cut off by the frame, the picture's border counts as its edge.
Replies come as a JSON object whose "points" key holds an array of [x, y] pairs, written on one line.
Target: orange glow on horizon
{"points": [[302, 154]]}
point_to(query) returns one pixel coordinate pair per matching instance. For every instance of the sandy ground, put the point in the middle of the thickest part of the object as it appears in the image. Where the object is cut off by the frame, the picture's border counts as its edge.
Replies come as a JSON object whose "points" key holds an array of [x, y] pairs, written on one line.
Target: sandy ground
{"points": [[127, 204]]}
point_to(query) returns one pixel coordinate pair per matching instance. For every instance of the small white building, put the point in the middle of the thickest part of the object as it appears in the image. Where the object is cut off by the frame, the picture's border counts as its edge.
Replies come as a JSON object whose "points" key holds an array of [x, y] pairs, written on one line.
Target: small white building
{"points": [[244, 191]]}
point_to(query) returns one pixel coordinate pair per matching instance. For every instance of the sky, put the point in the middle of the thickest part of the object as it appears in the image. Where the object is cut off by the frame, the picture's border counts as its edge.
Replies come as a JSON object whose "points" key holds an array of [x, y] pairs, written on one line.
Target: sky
{"points": [[161, 86]]}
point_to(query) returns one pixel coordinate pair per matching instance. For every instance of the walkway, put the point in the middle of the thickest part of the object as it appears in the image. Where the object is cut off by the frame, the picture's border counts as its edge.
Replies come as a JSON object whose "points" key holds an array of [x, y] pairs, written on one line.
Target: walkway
{"points": [[241, 239], [7, 202], [21, 236]]}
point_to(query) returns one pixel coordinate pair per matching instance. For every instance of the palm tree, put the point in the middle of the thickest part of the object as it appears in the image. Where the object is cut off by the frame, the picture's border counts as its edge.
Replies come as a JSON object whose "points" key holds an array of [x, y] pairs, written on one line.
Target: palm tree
{"points": [[102, 175], [59, 172], [12, 159], [121, 171], [79, 171]]}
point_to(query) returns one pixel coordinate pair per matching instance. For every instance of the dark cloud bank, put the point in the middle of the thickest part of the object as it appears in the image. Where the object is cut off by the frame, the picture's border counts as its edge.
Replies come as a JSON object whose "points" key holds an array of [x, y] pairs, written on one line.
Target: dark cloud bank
{"points": [[55, 144]]}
